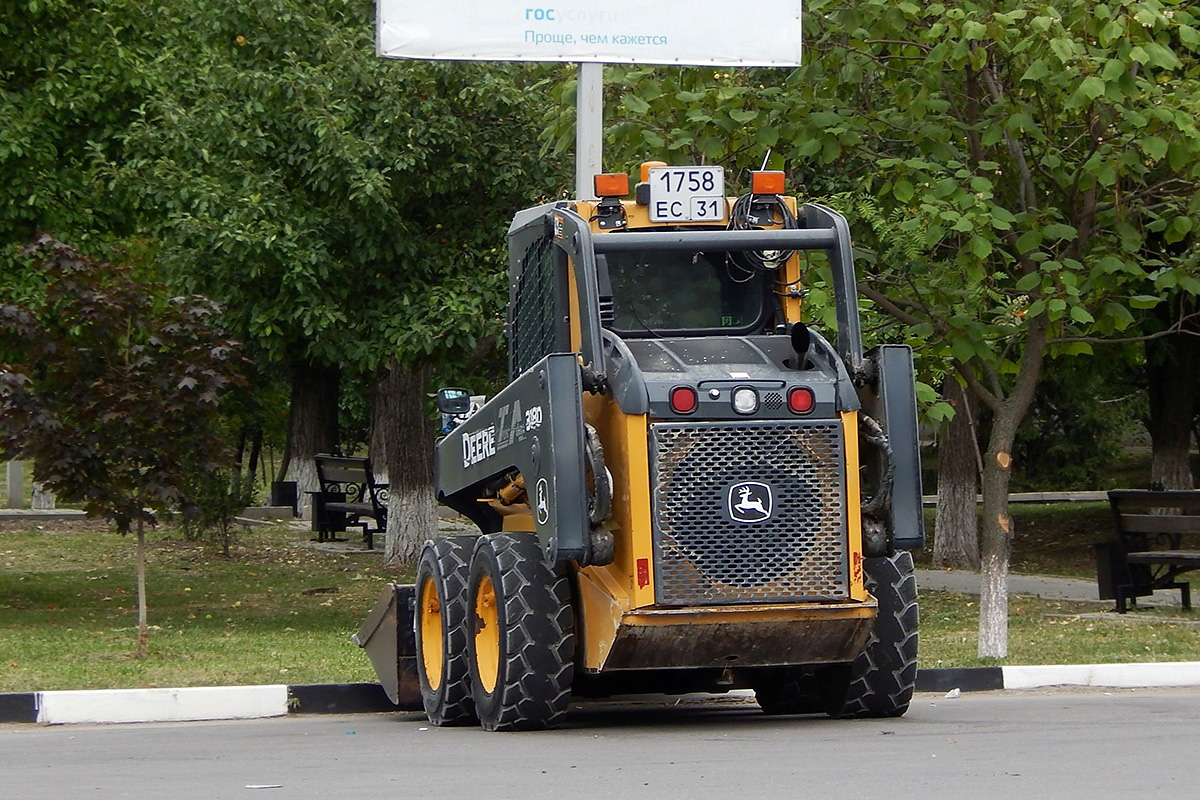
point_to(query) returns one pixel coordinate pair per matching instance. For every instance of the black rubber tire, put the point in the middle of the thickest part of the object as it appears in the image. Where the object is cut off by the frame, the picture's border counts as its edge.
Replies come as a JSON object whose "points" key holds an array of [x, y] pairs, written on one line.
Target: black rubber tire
{"points": [[446, 564], [880, 682], [787, 690], [536, 637]]}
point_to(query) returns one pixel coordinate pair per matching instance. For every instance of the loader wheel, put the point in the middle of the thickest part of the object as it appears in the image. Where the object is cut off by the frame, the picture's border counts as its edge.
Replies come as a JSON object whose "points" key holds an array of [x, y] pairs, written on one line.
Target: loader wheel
{"points": [[787, 690], [441, 630], [522, 638], [880, 682]]}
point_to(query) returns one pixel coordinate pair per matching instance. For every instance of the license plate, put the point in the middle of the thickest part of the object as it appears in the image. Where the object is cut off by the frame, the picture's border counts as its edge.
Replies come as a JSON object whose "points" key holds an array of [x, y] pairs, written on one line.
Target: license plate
{"points": [[687, 194]]}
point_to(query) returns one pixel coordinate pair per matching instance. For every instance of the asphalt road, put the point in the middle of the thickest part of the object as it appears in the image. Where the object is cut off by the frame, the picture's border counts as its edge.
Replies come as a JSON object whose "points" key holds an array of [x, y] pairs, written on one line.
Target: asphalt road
{"points": [[1062, 744]]}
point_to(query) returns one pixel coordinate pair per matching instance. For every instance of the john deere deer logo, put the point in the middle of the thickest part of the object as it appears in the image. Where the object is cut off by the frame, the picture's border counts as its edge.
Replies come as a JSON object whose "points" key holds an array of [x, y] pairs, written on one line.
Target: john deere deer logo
{"points": [[750, 502]]}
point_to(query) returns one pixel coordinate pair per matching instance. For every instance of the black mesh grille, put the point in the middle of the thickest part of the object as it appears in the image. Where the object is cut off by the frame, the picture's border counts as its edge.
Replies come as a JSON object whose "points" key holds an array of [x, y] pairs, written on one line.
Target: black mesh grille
{"points": [[534, 318], [713, 483]]}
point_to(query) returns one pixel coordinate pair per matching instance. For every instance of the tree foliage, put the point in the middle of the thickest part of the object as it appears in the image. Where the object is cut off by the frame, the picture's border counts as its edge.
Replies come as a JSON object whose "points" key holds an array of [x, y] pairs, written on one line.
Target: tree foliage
{"points": [[113, 392], [1007, 165], [71, 77], [343, 206]]}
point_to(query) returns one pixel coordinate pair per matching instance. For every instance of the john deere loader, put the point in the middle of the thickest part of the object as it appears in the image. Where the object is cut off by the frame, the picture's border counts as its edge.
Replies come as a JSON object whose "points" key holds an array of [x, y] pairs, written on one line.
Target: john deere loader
{"points": [[684, 486]]}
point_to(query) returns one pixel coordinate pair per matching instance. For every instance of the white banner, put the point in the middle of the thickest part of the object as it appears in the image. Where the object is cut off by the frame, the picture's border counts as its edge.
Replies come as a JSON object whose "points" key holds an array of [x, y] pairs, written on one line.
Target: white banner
{"points": [[761, 33]]}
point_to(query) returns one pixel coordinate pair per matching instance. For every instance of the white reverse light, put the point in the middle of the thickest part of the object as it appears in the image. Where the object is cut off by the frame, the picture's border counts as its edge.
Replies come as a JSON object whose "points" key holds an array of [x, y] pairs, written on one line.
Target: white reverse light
{"points": [[745, 401]]}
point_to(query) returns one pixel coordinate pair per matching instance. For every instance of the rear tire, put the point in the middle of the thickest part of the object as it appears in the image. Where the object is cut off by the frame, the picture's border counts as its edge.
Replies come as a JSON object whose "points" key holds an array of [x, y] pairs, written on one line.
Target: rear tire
{"points": [[522, 639], [880, 682], [441, 630], [787, 690]]}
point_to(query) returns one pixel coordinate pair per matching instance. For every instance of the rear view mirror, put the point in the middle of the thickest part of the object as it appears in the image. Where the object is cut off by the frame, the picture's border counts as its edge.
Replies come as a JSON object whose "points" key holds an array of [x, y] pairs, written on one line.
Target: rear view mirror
{"points": [[453, 401]]}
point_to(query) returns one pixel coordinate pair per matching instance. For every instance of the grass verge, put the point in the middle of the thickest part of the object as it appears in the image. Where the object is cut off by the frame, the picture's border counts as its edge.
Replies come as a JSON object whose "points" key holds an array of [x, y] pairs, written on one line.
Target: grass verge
{"points": [[279, 611], [275, 612], [1056, 632]]}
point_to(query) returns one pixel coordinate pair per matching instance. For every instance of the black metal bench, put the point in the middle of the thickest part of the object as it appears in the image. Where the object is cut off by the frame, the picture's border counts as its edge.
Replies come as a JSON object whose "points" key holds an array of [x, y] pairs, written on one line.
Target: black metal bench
{"points": [[349, 496], [1158, 540]]}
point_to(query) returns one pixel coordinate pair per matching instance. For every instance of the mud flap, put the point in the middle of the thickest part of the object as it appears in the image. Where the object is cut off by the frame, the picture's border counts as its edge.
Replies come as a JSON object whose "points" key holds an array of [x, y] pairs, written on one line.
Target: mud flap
{"points": [[535, 427], [387, 636], [891, 400]]}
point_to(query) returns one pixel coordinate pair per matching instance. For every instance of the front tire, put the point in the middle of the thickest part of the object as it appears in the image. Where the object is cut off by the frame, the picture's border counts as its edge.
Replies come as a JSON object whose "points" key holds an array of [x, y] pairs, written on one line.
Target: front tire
{"points": [[880, 682], [522, 639], [441, 630]]}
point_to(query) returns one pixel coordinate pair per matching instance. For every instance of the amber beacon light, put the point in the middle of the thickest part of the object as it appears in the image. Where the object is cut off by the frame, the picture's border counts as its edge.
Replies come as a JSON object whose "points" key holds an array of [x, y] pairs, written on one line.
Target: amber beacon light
{"points": [[766, 182], [611, 184]]}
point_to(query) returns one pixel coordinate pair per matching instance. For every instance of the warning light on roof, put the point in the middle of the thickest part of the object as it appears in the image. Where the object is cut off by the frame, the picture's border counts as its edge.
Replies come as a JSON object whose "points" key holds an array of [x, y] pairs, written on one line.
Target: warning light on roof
{"points": [[611, 184], [766, 182], [646, 165]]}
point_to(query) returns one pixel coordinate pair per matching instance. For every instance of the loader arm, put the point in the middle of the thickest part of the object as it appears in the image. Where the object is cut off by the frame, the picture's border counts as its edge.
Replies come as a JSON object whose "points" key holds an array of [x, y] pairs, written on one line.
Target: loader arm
{"points": [[533, 427]]}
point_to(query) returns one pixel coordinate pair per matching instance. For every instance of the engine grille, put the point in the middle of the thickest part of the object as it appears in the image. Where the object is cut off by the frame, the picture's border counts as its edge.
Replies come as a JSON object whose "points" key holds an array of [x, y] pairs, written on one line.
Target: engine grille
{"points": [[712, 484]]}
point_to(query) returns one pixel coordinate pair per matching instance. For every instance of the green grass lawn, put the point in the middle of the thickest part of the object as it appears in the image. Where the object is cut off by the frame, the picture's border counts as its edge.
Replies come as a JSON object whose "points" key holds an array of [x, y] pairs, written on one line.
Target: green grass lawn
{"points": [[278, 611], [1056, 632]]}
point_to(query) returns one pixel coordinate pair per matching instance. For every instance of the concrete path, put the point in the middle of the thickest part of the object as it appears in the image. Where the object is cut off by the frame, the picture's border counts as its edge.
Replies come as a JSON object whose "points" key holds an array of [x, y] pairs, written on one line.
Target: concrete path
{"points": [[1044, 586]]}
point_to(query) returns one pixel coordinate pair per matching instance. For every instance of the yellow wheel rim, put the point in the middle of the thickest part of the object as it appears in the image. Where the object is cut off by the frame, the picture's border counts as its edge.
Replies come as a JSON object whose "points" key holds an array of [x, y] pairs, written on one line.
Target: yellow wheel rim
{"points": [[432, 650], [487, 635]]}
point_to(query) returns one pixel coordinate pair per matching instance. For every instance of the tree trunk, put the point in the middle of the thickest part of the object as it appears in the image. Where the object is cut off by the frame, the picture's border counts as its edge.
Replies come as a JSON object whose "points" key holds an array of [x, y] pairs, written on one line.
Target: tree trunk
{"points": [[996, 541], [143, 629], [377, 433], [41, 498], [409, 441], [956, 527], [236, 482], [256, 443], [312, 425], [996, 549], [1173, 387]]}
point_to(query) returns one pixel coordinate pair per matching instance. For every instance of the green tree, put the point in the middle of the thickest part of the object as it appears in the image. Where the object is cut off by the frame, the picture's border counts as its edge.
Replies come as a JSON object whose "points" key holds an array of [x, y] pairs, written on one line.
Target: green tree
{"points": [[1012, 160], [71, 76], [113, 391], [348, 211]]}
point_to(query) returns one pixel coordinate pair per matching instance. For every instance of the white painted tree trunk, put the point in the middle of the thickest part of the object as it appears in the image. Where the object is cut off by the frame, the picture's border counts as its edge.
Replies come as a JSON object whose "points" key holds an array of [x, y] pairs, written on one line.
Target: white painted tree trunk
{"points": [[304, 472], [409, 438], [411, 520], [41, 499], [993, 607], [996, 537]]}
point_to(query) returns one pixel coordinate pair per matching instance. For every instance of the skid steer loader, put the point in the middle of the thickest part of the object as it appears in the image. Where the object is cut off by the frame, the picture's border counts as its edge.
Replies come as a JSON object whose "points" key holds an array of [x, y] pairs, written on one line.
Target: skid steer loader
{"points": [[684, 487]]}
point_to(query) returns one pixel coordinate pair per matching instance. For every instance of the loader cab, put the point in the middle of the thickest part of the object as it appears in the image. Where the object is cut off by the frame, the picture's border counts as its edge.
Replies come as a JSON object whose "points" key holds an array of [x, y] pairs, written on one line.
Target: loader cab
{"points": [[578, 274], [683, 293]]}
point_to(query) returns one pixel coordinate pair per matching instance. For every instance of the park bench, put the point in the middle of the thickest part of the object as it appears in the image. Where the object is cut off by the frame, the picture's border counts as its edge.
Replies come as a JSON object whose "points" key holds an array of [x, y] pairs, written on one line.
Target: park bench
{"points": [[349, 496], [1158, 540]]}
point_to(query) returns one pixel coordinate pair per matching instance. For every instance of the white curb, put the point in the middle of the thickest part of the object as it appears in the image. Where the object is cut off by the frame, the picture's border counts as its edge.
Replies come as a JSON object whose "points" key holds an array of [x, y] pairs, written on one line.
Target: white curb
{"points": [[1178, 673], [162, 705]]}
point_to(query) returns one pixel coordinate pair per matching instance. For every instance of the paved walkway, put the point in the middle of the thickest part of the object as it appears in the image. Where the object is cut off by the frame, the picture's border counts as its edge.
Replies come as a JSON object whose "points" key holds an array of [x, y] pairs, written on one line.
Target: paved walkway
{"points": [[1043, 586]]}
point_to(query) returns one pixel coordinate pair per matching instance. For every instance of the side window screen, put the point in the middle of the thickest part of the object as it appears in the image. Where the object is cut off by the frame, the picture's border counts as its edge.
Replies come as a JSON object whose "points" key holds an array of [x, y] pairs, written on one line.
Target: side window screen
{"points": [[535, 320]]}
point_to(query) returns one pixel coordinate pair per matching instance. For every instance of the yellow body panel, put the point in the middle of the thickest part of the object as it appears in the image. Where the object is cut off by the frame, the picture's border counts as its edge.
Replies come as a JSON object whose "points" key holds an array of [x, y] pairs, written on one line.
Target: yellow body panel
{"points": [[573, 311], [608, 592], [858, 589]]}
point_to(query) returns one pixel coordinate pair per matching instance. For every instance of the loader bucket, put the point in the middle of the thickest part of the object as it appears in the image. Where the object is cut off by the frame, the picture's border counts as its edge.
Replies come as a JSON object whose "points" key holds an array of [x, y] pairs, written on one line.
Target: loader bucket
{"points": [[387, 636]]}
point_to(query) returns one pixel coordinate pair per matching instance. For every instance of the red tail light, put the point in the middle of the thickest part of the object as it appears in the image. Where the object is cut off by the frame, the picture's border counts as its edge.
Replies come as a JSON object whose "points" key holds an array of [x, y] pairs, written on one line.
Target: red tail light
{"points": [[683, 400], [801, 400]]}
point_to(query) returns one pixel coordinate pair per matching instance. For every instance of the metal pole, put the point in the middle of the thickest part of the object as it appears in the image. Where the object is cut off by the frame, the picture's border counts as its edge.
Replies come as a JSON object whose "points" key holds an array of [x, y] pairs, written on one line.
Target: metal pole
{"points": [[589, 128]]}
